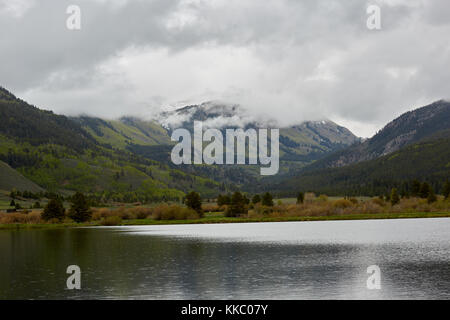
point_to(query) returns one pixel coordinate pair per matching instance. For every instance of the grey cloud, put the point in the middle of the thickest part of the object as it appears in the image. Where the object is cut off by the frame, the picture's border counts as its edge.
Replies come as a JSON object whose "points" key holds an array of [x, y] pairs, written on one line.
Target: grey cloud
{"points": [[292, 60]]}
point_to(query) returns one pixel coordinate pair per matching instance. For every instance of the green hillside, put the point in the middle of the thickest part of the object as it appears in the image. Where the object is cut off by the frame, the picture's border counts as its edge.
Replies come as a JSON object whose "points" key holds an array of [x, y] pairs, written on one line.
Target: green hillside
{"points": [[62, 155], [11, 179], [409, 128], [428, 160], [121, 133]]}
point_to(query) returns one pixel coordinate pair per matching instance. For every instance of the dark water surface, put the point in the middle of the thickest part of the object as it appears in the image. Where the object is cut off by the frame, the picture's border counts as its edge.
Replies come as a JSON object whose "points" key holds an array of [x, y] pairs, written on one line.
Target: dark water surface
{"points": [[289, 260]]}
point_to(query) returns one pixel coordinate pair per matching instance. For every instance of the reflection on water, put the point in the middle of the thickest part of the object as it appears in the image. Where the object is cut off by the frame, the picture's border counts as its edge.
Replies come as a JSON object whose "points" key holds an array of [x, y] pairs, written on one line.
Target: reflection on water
{"points": [[298, 260]]}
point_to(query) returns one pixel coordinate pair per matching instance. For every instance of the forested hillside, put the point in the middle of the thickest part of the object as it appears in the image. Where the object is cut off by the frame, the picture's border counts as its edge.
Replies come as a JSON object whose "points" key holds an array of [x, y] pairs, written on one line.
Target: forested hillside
{"points": [[427, 160], [25, 123], [59, 155], [407, 129]]}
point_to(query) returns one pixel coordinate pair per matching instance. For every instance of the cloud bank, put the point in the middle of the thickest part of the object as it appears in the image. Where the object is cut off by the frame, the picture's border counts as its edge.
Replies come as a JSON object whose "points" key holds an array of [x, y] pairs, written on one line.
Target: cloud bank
{"points": [[290, 60]]}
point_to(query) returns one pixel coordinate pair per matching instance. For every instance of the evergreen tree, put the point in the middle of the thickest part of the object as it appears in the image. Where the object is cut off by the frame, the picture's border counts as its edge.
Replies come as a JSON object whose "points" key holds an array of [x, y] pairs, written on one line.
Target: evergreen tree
{"points": [[80, 210], [424, 190], [300, 197], [256, 199], [394, 197], [12, 203], [446, 191], [415, 188], [238, 205], [431, 196], [53, 210], [194, 201], [267, 200]]}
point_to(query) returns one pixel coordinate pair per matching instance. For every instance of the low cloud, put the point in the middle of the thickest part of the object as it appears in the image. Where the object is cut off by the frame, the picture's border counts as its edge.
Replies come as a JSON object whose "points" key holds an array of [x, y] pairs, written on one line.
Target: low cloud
{"points": [[282, 59]]}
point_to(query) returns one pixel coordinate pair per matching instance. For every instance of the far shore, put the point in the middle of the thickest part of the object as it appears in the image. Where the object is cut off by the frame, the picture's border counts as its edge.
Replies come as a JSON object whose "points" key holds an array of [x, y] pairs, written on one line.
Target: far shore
{"points": [[212, 219]]}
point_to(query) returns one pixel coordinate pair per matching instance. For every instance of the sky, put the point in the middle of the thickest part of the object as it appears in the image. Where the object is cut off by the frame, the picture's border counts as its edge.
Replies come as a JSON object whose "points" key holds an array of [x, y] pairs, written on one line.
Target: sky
{"points": [[289, 60]]}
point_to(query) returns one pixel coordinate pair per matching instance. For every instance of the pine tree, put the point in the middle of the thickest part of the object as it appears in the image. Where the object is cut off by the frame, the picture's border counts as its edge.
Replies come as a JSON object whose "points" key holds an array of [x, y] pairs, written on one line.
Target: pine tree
{"points": [[424, 190], [12, 203], [446, 191], [431, 196], [194, 201], [394, 197], [300, 197], [53, 210], [267, 200], [80, 210], [415, 188], [256, 199], [238, 205]]}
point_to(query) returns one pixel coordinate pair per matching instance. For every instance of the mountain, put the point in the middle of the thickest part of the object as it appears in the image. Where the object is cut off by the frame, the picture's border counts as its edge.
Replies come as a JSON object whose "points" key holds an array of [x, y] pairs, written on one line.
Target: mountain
{"points": [[60, 154], [301, 143], [128, 159], [416, 145], [11, 179], [26, 123], [125, 131], [427, 160], [407, 129]]}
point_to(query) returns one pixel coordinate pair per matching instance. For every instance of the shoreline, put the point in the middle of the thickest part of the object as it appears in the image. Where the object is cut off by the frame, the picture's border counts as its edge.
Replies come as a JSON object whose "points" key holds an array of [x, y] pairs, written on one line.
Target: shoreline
{"points": [[219, 220]]}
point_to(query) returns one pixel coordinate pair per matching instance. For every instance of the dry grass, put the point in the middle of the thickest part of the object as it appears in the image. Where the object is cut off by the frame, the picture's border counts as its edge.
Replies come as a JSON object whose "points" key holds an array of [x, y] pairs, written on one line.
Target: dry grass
{"points": [[161, 212], [312, 207], [174, 212], [21, 217], [122, 212], [323, 207], [210, 207]]}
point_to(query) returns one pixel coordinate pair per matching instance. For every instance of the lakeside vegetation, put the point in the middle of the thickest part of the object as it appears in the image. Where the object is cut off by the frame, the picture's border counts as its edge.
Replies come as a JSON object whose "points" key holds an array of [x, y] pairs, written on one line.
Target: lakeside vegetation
{"points": [[232, 209]]}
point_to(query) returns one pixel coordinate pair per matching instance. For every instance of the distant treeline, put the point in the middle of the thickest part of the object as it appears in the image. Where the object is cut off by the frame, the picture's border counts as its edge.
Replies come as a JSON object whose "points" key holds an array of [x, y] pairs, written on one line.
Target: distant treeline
{"points": [[378, 188]]}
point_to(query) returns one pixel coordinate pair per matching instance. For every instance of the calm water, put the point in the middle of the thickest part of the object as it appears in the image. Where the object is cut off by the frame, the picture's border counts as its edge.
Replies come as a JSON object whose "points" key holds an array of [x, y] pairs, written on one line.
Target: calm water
{"points": [[299, 260]]}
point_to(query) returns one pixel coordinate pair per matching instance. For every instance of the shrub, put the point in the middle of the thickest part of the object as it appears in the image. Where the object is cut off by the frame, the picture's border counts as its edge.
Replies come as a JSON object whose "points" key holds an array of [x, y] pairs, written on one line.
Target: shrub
{"points": [[98, 214], [11, 218], [309, 197], [342, 204], [174, 212], [210, 207], [111, 221], [141, 212], [378, 201]]}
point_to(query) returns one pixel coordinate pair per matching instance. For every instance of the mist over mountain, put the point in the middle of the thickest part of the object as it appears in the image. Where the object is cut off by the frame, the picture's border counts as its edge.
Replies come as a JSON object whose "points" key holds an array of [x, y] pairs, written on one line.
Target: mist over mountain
{"points": [[129, 158], [415, 145], [407, 129]]}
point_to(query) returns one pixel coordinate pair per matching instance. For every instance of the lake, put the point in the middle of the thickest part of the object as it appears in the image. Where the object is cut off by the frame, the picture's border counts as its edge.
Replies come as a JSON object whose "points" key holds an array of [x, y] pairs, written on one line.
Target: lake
{"points": [[286, 260]]}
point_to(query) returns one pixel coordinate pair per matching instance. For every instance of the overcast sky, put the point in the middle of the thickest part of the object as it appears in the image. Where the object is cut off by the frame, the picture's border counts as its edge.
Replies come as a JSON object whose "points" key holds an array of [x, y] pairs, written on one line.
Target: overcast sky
{"points": [[292, 60]]}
